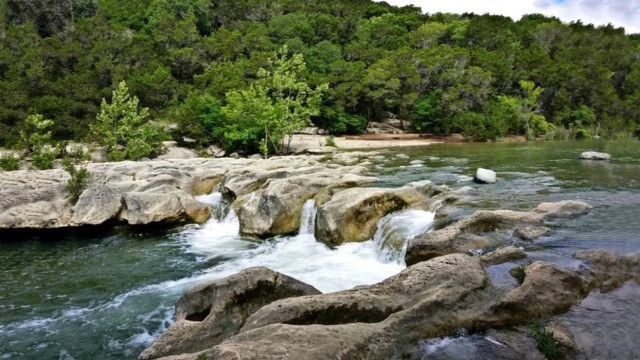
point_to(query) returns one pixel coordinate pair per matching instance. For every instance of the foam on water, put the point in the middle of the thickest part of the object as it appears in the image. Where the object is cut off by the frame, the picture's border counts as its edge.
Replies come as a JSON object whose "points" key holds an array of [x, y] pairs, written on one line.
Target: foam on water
{"points": [[302, 256], [217, 242]]}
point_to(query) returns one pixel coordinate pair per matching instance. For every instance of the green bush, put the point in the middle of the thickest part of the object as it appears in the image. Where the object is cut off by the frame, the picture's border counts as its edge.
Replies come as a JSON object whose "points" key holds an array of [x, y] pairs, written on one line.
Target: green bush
{"points": [[583, 134], [559, 133], [122, 127], [9, 162], [80, 179], [330, 141], [427, 114], [77, 154], [200, 118], [348, 124], [545, 342], [477, 126], [43, 157]]}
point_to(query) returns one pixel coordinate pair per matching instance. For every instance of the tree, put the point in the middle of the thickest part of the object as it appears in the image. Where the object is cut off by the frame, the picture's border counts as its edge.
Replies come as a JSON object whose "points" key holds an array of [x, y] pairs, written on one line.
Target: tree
{"points": [[121, 126], [36, 138], [279, 102]]}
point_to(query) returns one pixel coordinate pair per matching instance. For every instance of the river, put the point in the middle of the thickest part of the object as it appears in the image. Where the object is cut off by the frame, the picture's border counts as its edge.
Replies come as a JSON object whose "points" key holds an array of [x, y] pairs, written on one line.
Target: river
{"points": [[106, 295]]}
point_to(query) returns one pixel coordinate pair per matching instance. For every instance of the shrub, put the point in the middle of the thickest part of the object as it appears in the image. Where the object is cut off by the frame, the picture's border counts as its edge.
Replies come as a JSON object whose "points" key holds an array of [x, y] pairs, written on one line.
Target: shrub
{"points": [[348, 124], [121, 126], [583, 134], [80, 179], [545, 341], [330, 141], [43, 157], [78, 154], [9, 162], [559, 133]]}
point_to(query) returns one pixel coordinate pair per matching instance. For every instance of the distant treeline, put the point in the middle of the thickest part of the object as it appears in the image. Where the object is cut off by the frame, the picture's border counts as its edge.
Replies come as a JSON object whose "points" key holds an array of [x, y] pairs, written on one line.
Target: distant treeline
{"points": [[483, 75]]}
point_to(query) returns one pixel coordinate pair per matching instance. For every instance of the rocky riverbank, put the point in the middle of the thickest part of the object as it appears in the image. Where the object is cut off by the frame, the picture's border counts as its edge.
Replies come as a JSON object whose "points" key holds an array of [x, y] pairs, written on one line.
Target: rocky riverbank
{"points": [[267, 195], [237, 319]]}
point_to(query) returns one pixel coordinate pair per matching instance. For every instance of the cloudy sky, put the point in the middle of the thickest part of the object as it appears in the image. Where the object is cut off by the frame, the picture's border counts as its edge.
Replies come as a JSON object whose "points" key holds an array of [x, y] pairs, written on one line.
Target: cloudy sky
{"points": [[625, 13]]}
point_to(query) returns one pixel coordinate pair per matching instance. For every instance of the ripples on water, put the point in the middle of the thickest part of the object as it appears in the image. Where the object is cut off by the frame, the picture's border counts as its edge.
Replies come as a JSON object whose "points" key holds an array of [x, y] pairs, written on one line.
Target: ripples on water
{"points": [[108, 296], [145, 312]]}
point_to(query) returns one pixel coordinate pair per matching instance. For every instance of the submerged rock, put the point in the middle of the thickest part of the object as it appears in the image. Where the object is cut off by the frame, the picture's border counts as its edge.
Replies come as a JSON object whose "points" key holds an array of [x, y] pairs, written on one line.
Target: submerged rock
{"points": [[485, 176], [502, 255], [470, 233], [209, 313], [593, 155]]}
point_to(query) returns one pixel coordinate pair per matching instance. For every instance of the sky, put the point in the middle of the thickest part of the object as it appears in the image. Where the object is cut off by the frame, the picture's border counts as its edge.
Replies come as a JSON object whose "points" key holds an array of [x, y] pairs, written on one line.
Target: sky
{"points": [[621, 13]]}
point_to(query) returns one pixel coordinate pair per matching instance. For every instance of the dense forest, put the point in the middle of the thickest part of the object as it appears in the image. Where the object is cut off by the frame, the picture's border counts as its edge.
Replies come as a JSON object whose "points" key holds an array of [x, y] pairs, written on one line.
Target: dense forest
{"points": [[197, 62]]}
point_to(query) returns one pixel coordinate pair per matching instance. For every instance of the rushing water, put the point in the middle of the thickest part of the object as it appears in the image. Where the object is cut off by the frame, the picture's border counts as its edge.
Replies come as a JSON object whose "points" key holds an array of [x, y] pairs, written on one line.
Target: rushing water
{"points": [[107, 295], [48, 314]]}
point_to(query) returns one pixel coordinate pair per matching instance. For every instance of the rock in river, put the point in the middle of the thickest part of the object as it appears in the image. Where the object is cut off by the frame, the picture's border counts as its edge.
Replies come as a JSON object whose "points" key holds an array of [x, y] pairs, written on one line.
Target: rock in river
{"points": [[485, 176], [594, 155], [210, 313]]}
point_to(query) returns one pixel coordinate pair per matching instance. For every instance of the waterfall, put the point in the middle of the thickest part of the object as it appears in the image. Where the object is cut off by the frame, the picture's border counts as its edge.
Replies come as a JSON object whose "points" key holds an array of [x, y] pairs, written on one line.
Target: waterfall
{"points": [[219, 207], [308, 218], [396, 229]]}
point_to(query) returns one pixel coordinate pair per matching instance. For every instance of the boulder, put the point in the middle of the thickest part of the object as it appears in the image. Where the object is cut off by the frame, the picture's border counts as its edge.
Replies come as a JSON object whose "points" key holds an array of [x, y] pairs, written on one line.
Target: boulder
{"points": [[308, 131], [594, 155], [430, 300], [173, 151], [147, 192], [452, 275], [485, 176], [96, 205], [210, 313], [547, 290], [502, 255], [215, 151], [352, 215], [609, 270], [162, 205], [478, 231], [531, 232], [275, 208]]}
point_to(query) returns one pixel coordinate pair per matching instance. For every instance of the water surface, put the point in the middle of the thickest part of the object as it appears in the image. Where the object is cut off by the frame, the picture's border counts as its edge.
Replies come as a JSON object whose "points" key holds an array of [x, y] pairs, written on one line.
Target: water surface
{"points": [[107, 295]]}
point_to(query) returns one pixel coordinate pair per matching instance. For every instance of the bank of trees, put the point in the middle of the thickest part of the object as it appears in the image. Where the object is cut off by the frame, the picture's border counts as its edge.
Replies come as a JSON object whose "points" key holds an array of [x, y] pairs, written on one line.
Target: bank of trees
{"points": [[197, 63]]}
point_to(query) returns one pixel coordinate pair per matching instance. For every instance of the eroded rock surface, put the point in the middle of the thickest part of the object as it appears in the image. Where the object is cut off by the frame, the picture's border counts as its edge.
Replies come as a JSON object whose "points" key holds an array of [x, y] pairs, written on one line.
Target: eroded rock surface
{"points": [[268, 194], [210, 313], [431, 299], [352, 215], [471, 233]]}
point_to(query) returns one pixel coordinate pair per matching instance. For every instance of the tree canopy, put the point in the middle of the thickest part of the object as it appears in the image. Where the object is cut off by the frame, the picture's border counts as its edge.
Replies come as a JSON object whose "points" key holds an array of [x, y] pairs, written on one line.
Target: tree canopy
{"points": [[192, 62]]}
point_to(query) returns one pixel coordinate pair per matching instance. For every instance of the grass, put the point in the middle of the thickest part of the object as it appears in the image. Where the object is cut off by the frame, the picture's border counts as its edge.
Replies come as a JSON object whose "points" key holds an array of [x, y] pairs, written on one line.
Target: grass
{"points": [[545, 341]]}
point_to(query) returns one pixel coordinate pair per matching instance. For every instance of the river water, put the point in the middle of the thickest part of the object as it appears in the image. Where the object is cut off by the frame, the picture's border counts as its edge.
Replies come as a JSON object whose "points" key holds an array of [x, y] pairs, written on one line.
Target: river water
{"points": [[107, 295]]}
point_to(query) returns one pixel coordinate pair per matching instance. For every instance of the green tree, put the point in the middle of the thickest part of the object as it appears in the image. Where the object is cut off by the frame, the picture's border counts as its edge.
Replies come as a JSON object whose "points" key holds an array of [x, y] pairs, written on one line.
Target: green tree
{"points": [[121, 126], [36, 138], [279, 102]]}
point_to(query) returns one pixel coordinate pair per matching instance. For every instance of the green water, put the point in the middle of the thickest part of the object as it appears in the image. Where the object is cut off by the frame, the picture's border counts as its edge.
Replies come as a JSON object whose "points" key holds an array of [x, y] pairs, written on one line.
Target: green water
{"points": [[107, 295]]}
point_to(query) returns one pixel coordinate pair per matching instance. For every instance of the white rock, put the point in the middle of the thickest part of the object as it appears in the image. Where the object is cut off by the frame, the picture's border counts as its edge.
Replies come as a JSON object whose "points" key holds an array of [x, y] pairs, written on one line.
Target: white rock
{"points": [[485, 176], [593, 155], [402, 156]]}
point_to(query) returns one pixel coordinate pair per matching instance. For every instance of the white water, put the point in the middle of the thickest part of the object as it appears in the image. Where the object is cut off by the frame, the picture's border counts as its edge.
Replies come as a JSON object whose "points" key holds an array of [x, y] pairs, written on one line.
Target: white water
{"points": [[220, 249], [302, 256]]}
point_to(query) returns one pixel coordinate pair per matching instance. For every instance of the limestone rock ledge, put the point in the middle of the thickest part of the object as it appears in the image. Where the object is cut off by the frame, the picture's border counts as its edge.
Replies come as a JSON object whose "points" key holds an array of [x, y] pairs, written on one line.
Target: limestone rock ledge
{"points": [[431, 299]]}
